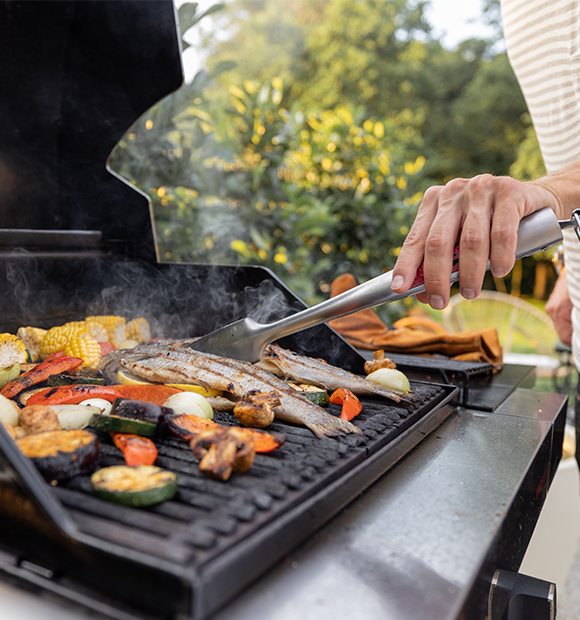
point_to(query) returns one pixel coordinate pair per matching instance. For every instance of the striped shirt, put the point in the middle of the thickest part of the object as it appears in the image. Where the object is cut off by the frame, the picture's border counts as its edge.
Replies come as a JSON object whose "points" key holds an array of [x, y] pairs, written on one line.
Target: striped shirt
{"points": [[543, 45]]}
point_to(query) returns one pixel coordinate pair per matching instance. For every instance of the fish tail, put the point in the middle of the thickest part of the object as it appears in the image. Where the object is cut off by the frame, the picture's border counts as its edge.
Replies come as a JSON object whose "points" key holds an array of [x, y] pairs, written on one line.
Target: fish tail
{"points": [[332, 427]]}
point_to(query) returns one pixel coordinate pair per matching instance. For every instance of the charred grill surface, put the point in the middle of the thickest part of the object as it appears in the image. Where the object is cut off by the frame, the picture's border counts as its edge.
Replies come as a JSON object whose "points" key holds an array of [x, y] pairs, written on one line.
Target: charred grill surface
{"points": [[207, 516]]}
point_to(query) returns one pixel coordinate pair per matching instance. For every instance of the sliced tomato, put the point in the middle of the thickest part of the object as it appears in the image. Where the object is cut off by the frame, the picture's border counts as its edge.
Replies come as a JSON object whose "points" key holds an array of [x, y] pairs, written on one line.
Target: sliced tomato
{"points": [[106, 347], [351, 405], [136, 450]]}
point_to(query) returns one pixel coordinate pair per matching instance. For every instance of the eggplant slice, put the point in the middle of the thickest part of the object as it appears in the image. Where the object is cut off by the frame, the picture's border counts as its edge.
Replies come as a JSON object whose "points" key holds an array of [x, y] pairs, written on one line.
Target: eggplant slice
{"points": [[59, 455]]}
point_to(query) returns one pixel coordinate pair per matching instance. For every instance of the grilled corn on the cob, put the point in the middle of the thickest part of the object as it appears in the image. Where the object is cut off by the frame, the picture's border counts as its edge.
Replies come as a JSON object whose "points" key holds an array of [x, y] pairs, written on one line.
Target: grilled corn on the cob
{"points": [[88, 349], [12, 350], [115, 326], [32, 337], [139, 330]]}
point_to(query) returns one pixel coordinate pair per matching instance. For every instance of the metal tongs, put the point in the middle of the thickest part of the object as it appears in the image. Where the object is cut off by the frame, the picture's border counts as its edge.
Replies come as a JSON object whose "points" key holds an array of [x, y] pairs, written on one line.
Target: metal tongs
{"points": [[246, 339]]}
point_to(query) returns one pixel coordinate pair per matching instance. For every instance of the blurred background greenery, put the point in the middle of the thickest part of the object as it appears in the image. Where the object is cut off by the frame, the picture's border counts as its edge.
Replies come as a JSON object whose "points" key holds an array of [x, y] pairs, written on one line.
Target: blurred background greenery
{"points": [[306, 141]]}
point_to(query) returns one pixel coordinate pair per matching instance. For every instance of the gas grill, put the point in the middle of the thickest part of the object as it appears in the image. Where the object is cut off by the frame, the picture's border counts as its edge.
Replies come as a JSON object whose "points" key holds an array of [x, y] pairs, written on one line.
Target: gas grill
{"points": [[77, 240]]}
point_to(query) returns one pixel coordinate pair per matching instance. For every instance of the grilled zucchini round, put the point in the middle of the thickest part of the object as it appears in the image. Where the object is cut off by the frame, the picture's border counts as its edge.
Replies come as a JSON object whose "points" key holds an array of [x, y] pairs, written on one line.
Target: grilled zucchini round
{"points": [[134, 486], [117, 424]]}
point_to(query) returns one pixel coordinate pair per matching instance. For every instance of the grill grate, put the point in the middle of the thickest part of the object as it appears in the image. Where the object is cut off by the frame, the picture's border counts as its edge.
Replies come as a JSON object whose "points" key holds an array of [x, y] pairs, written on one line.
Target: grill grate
{"points": [[207, 514], [209, 522]]}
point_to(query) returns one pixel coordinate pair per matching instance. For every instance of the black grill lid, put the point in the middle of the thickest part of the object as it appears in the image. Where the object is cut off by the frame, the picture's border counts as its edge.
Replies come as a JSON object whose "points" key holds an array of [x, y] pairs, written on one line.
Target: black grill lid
{"points": [[75, 75]]}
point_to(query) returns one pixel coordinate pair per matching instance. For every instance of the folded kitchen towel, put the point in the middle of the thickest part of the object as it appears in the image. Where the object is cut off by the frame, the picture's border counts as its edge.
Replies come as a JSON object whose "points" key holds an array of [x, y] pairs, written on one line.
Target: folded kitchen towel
{"points": [[365, 330]]}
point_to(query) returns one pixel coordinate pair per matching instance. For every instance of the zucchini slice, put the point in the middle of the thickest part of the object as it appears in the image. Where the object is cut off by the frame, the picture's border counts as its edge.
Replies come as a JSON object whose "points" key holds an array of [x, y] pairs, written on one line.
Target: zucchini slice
{"points": [[59, 455], [134, 486], [118, 424], [313, 393]]}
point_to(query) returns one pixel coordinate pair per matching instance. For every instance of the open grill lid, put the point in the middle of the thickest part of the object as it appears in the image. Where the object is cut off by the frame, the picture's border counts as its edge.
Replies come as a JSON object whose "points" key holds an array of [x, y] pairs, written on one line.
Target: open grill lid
{"points": [[75, 75]]}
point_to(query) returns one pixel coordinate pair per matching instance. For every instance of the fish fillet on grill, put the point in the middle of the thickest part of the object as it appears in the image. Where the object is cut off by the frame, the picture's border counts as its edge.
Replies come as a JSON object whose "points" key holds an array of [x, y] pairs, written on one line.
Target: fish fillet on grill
{"points": [[289, 365], [176, 365]]}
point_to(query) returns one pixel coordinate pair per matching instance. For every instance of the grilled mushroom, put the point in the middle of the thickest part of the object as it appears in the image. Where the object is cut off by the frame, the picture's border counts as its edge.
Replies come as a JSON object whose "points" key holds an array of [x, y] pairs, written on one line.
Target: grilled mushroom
{"points": [[222, 451], [256, 409], [380, 361]]}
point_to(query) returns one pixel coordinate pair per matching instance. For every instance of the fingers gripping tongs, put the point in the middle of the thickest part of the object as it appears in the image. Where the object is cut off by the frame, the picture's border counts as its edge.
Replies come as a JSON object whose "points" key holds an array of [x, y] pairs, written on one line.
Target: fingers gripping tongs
{"points": [[246, 339]]}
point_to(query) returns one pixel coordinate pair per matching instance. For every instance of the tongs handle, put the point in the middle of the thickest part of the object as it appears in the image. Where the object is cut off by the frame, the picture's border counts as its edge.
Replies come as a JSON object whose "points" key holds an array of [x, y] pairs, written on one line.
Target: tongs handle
{"points": [[537, 232]]}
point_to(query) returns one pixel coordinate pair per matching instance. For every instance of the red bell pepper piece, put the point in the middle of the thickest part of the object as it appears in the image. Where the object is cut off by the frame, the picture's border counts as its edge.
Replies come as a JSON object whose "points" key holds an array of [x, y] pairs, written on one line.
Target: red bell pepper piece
{"points": [[136, 450], [351, 405], [40, 373], [73, 394]]}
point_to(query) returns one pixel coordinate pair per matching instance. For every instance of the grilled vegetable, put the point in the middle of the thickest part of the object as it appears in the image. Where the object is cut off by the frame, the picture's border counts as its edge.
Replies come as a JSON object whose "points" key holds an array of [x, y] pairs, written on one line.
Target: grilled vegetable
{"points": [[32, 337], [104, 406], [380, 361], [106, 348], [139, 410], [56, 338], [72, 394], [117, 424], [191, 404], [187, 426], [59, 455], [9, 373], [64, 379], [12, 350], [134, 486], [136, 450], [62, 363], [256, 409], [38, 418], [313, 393], [73, 416], [222, 451], [351, 405], [139, 330], [87, 349], [115, 327], [8, 411], [391, 379]]}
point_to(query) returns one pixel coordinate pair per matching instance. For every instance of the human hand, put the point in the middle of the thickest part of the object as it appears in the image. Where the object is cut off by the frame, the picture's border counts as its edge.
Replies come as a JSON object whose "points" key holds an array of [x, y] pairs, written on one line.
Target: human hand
{"points": [[559, 309], [482, 216]]}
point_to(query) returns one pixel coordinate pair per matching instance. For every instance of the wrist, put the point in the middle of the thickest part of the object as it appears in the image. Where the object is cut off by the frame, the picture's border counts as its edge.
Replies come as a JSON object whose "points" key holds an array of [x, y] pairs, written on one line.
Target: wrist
{"points": [[564, 188]]}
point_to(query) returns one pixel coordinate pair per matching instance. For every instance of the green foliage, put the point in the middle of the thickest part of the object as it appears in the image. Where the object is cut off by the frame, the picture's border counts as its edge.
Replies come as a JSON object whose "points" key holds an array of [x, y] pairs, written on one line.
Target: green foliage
{"points": [[306, 144], [529, 163]]}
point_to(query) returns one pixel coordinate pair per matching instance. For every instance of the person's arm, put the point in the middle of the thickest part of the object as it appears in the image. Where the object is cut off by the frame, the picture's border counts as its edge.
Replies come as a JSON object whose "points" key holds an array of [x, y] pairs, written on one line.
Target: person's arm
{"points": [[559, 309], [483, 215]]}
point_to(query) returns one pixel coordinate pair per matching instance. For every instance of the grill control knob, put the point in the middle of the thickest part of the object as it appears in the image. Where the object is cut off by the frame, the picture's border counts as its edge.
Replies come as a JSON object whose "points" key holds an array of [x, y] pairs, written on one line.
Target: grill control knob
{"points": [[514, 596]]}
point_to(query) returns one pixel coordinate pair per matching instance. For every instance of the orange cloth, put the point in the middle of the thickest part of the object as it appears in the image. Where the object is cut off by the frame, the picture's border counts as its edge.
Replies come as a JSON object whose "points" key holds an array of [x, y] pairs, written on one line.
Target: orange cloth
{"points": [[365, 330]]}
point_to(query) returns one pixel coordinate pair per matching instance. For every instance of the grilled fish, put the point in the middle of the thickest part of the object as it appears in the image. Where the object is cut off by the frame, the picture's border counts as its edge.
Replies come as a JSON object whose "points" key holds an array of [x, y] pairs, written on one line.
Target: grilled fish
{"points": [[302, 369], [175, 365]]}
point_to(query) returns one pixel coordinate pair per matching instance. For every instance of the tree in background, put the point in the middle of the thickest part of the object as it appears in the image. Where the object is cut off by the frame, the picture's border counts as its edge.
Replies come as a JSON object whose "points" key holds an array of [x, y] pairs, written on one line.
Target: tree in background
{"points": [[306, 143]]}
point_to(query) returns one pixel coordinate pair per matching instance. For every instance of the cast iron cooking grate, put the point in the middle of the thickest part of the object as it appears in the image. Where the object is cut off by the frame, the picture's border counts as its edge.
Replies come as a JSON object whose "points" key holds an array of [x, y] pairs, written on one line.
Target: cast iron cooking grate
{"points": [[221, 536], [207, 515]]}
